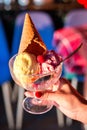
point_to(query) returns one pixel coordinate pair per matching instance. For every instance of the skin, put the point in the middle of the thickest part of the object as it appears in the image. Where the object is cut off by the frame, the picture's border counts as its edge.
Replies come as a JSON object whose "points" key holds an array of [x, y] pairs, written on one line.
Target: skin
{"points": [[68, 100]]}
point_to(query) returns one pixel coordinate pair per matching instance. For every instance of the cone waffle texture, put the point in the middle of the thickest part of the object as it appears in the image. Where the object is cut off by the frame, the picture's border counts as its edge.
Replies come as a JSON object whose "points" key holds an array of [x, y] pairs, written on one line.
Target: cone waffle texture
{"points": [[31, 41]]}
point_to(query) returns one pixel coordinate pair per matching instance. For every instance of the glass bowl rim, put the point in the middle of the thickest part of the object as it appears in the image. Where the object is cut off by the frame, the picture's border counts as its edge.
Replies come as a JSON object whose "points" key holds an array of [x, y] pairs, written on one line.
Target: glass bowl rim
{"points": [[37, 74]]}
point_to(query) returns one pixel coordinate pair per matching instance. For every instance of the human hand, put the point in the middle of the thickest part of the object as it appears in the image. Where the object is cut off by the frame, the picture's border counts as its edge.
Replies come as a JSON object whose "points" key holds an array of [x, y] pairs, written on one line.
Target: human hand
{"points": [[67, 99]]}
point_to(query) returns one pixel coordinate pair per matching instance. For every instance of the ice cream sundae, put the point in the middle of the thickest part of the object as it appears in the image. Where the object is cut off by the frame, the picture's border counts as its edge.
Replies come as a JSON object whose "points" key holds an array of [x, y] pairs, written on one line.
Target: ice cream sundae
{"points": [[33, 57], [35, 68]]}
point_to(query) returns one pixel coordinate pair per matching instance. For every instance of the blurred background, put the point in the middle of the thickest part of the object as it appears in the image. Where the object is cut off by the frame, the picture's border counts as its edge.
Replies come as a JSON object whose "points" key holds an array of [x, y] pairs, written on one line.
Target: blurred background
{"points": [[49, 17]]}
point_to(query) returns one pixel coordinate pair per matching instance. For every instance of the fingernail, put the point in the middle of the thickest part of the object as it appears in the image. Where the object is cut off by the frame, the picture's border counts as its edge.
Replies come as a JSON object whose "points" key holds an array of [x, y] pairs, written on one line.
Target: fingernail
{"points": [[38, 94]]}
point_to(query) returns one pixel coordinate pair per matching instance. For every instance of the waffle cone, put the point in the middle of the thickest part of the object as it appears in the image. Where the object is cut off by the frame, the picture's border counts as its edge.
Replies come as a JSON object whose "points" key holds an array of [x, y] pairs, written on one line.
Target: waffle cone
{"points": [[31, 41]]}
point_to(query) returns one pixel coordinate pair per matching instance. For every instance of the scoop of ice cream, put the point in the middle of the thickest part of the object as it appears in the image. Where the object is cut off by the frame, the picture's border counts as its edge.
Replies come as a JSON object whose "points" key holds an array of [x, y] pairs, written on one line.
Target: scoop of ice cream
{"points": [[25, 64], [49, 61], [51, 70]]}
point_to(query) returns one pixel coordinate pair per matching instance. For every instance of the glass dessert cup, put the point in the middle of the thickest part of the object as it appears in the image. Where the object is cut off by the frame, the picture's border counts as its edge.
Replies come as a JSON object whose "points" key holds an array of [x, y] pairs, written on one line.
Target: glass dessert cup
{"points": [[37, 83]]}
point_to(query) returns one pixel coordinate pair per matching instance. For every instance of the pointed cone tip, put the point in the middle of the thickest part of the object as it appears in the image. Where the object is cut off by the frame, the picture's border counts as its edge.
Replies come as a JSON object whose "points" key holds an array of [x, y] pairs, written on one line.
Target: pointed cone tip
{"points": [[30, 39]]}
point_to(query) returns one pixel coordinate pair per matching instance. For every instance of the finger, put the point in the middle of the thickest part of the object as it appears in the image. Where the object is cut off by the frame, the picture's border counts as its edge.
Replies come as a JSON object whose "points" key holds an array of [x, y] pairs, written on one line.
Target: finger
{"points": [[37, 94], [29, 94], [57, 97], [50, 96]]}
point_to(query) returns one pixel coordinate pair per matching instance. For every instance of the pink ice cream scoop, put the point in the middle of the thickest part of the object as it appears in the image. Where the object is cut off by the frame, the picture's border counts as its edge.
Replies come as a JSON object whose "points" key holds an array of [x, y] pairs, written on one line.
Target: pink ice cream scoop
{"points": [[50, 71]]}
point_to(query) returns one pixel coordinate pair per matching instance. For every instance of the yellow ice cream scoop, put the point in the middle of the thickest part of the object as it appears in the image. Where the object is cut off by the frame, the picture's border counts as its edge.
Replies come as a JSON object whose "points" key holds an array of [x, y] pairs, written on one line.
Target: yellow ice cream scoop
{"points": [[25, 64]]}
